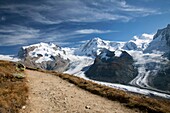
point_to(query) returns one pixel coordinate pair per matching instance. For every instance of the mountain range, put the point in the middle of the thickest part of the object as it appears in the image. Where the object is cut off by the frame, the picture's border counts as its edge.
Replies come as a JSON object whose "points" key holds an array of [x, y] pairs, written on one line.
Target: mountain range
{"points": [[142, 62]]}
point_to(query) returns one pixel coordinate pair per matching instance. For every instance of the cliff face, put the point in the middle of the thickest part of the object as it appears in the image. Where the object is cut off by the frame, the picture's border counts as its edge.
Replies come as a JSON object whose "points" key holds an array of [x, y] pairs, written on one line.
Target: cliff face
{"points": [[44, 56], [114, 67], [161, 42]]}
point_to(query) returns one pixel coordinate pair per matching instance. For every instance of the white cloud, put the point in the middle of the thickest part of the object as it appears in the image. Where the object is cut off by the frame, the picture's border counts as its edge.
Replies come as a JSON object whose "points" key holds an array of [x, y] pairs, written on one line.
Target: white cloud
{"points": [[91, 31]]}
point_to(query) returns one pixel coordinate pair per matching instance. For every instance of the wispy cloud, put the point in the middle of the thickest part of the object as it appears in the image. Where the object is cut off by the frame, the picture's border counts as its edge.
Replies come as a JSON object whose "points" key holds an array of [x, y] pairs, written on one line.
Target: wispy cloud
{"points": [[15, 34], [58, 11], [92, 31], [136, 11]]}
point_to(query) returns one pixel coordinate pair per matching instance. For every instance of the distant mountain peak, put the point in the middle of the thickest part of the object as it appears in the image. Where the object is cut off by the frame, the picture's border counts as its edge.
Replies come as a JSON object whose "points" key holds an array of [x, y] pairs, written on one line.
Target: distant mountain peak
{"points": [[96, 39], [45, 56], [94, 47], [42, 49], [41, 44], [139, 42]]}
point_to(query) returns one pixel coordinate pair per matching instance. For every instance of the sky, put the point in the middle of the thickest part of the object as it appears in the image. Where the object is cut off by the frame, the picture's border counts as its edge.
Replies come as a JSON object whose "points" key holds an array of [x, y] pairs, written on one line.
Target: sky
{"points": [[69, 23]]}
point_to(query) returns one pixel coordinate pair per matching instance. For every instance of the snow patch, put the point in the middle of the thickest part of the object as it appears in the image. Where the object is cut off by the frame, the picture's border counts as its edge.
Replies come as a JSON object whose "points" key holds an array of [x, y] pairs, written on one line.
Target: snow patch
{"points": [[104, 56], [118, 53]]}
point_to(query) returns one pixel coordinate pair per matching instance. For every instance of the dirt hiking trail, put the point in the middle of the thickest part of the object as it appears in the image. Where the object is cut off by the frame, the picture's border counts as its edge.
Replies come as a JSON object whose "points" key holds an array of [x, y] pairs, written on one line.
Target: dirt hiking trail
{"points": [[51, 94]]}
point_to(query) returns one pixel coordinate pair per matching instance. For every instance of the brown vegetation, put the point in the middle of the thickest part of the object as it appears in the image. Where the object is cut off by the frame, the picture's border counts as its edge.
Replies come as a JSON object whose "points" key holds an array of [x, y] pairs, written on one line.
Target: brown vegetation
{"points": [[13, 88], [134, 101]]}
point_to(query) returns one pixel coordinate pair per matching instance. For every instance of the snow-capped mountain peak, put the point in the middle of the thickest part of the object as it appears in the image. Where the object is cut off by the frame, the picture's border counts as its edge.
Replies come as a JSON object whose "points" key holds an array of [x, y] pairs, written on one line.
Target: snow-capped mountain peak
{"points": [[94, 47], [161, 41], [44, 56], [98, 41], [41, 44], [45, 51]]}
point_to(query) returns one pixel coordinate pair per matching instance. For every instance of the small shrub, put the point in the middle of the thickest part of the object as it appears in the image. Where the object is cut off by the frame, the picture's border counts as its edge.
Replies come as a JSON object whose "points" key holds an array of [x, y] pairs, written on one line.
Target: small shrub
{"points": [[20, 67]]}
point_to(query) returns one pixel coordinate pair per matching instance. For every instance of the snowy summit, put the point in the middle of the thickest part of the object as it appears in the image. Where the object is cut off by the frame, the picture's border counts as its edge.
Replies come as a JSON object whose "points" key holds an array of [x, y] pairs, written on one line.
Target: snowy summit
{"points": [[45, 51], [96, 45]]}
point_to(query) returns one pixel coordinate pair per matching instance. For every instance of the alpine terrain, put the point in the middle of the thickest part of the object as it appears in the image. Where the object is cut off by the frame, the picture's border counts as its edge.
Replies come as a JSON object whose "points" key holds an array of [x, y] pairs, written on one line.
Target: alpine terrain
{"points": [[140, 65]]}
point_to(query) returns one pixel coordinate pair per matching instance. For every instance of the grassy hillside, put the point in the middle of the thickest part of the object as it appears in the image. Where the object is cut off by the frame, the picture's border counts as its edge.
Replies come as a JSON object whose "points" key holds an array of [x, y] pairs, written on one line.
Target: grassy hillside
{"points": [[13, 88]]}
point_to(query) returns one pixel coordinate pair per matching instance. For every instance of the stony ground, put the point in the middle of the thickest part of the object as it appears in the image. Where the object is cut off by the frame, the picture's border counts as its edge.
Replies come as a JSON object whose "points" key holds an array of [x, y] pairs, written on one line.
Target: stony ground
{"points": [[51, 94]]}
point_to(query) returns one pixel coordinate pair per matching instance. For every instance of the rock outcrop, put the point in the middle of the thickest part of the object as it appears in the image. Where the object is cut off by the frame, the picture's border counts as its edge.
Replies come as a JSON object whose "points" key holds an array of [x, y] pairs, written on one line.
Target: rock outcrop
{"points": [[114, 67]]}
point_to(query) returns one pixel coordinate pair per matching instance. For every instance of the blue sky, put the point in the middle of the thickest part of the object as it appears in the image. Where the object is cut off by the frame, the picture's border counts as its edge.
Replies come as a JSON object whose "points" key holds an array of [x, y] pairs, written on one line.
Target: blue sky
{"points": [[70, 22]]}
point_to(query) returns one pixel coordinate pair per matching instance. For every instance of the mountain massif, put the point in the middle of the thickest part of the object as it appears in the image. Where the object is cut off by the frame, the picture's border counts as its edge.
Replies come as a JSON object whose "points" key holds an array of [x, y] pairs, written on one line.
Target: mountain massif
{"points": [[142, 61], [44, 56]]}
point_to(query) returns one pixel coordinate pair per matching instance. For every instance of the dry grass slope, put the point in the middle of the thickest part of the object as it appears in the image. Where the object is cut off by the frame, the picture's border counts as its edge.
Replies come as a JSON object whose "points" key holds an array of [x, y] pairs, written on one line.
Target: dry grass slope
{"points": [[133, 101], [13, 89]]}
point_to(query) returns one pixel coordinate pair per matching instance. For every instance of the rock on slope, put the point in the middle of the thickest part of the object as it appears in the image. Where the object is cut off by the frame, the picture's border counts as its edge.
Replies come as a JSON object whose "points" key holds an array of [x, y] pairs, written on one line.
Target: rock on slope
{"points": [[115, 67], [44, 56]]}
